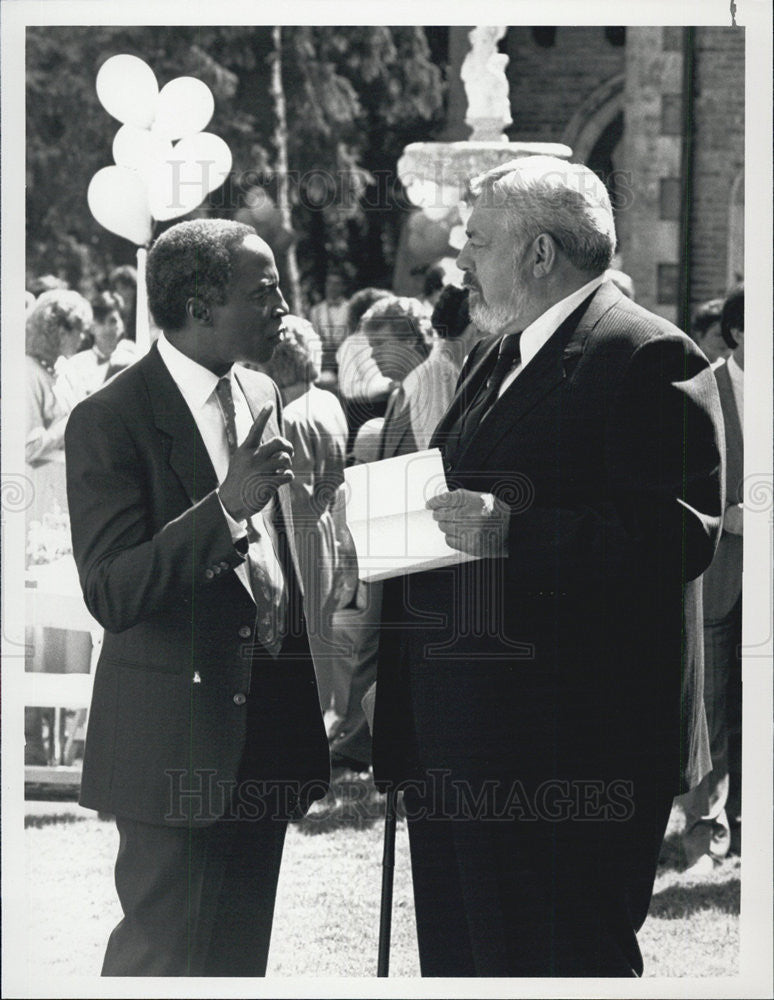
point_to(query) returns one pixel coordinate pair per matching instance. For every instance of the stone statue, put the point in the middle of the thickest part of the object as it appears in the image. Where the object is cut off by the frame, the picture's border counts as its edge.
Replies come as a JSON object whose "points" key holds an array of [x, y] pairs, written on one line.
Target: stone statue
{"points": [[486, 86]]}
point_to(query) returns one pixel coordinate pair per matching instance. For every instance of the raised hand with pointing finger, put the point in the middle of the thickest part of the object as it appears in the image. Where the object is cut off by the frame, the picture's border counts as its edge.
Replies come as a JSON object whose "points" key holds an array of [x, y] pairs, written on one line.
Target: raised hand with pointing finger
{"points": [[256, 470]]}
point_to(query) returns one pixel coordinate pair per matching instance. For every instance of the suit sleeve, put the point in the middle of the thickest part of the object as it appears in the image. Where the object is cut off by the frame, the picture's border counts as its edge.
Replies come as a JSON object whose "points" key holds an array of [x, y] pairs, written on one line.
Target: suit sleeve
{"points": [[661, 503], [127, 571]]}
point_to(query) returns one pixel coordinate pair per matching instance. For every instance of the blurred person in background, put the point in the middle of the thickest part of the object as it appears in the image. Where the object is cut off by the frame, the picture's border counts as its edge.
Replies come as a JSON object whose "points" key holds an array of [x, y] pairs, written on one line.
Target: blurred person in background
{"points": [[123, 281], [713, 810], [109, 352], [706, 332], [357, 628], [329, 318], [432, 286], [417, 406], [363, 389], [46, 283], [55, 326], [316, 427], [397, 330]]}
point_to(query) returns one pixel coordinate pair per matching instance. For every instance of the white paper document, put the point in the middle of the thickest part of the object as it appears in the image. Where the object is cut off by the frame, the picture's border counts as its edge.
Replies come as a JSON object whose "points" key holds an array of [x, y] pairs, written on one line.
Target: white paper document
{"points": [[392, 530]]}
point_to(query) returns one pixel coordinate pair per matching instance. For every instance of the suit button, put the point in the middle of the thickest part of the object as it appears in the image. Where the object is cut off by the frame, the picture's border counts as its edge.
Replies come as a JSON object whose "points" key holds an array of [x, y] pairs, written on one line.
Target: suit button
{"points": [[239, 698], [224, 565], [208, 574], [216, 569], [245, 632]]}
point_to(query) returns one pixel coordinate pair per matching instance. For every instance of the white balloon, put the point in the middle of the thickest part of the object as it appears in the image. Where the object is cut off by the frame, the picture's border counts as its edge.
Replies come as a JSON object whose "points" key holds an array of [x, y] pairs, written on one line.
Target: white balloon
{"points": [[184, 106], [198, 164], [140, 149], [208, 150], [128, 90], [118, 200]]}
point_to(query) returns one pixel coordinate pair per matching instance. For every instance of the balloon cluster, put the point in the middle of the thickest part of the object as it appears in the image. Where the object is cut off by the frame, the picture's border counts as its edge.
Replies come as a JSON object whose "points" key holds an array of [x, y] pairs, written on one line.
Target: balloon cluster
{"points": [[154, 178]]}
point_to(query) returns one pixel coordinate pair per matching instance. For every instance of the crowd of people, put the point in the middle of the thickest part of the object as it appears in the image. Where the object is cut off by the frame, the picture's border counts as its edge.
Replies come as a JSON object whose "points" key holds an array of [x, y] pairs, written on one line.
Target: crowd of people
{"points": [[585, 570], [337, 373]]}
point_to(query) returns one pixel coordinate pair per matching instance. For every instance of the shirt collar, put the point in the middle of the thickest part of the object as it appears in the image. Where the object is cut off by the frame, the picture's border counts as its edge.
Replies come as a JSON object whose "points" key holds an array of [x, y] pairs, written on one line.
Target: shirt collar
{"points": [[540, 330], [194, 381], [736, 374]]}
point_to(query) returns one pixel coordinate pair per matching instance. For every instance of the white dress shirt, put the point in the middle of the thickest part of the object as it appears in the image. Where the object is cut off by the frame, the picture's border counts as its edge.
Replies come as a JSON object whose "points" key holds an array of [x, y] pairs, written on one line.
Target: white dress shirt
{"points": [[197, 385], [545, 326], [736, 374]]}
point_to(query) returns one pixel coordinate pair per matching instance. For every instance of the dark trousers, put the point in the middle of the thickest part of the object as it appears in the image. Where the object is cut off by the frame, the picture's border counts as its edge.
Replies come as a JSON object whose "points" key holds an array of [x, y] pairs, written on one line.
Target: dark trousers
{"points": [[200, 902], [524, 897], [716, 803], [195, 902]]}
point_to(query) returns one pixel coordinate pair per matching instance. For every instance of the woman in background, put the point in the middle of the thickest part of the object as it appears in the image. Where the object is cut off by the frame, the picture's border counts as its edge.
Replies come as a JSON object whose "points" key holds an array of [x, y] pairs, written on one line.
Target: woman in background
{"points": [[108, 354], [55, 326], [314, 423]]}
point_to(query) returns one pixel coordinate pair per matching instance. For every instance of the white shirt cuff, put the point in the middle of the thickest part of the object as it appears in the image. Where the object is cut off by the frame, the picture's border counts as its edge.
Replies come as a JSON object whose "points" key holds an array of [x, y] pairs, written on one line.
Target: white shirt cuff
{"points": [[238, 529]]}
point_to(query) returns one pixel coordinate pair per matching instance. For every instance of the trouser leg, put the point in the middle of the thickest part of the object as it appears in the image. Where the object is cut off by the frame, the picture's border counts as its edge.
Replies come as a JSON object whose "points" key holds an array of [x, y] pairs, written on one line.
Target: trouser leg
{"points": [[442, 930], [500, 896], [195, 902], [706, 820]]}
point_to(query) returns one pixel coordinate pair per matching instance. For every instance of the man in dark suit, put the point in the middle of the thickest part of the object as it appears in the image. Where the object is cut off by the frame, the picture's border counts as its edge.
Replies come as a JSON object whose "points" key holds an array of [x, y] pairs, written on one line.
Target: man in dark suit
{"points": [[205, 734], [542, 704], [713, 809]]}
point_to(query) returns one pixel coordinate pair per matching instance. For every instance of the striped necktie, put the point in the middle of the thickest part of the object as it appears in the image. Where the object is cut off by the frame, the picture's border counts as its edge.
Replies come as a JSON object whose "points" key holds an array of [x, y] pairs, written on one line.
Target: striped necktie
{"points": [[270, 602]]}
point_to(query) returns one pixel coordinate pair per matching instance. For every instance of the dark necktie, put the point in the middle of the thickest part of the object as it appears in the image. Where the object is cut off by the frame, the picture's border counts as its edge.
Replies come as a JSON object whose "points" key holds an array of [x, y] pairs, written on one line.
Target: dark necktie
{"points": [[507, 357], [269, 599]]}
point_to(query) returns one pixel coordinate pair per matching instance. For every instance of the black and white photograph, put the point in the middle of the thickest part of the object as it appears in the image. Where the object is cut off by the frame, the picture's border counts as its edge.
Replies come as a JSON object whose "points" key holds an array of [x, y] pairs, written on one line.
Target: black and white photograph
{"points": [[387, 504]]}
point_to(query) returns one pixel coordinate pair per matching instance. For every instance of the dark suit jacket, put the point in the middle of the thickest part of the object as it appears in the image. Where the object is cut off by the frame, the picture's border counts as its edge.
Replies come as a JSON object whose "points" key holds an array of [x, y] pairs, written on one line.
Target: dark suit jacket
{"points": [[723, 578], [156, 560], [579, 654]]}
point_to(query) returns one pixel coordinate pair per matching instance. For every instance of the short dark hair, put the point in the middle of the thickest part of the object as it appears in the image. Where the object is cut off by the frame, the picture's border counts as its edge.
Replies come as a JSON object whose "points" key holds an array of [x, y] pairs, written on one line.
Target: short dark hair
{"points": [[191, 260], [360, 303], [106, 303], [732, 316], [451, 316], [707, 314], [434, 278]]}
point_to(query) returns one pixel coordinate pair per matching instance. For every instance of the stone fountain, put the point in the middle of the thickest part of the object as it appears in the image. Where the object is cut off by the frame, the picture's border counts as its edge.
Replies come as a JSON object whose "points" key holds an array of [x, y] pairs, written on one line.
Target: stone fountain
{"points": [[436, 175]]}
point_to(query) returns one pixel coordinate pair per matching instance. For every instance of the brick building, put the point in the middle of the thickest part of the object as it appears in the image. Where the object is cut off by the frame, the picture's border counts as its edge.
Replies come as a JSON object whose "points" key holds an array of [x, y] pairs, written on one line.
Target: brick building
{"points": [[659, 114]]}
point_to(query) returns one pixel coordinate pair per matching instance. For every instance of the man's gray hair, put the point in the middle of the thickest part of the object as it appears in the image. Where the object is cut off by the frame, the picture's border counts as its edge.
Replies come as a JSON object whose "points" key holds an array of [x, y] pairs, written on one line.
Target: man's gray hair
{"points": [[543, 194]]}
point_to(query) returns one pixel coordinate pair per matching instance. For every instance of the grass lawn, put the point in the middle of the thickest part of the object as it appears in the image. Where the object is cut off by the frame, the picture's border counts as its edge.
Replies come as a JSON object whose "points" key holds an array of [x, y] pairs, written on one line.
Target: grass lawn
{"points": [[327, 916]]}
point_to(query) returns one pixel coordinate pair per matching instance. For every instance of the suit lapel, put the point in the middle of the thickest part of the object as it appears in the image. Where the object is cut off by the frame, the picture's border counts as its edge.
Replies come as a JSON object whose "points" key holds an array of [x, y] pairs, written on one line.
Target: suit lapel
{"points": [[550, 366], [187, 453]]}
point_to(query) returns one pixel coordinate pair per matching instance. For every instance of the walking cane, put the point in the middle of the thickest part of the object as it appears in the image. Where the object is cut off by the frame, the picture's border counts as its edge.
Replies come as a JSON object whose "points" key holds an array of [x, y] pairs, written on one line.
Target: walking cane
{"points": [[388, 871]]}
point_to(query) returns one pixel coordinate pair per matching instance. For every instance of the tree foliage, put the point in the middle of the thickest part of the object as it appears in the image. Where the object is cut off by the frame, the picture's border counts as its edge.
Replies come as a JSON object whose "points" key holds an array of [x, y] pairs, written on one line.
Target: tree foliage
{"points": [[355, 97]]}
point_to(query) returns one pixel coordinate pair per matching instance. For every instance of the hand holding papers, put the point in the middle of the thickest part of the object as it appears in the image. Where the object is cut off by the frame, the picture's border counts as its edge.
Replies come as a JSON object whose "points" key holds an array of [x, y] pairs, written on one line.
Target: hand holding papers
{"points": [[393, 531]]}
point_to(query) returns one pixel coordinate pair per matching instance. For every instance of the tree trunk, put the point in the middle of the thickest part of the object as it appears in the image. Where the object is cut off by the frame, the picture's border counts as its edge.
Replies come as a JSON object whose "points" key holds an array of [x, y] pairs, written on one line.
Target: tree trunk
{"points": [[293, 291]]}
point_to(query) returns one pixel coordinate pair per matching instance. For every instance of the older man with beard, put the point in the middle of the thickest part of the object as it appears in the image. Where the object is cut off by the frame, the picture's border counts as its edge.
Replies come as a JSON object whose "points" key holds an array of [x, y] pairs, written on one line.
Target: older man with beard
{"points": [[542, 704]]}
